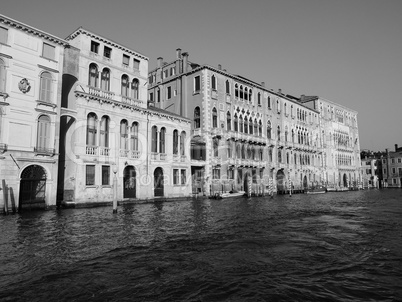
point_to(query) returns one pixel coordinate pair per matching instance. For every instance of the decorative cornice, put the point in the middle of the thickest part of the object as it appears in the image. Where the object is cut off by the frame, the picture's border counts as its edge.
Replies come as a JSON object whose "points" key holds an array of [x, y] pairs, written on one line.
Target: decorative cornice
{"points": [[5, 56], [48, 68], [142, 110], [104, 40], [31, 30]]}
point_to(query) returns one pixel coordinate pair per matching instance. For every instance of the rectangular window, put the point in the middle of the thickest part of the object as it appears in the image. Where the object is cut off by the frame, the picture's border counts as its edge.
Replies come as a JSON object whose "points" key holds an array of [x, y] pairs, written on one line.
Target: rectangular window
{"points": [[90, 175], [94, 47], [183, 176], [48, 51], [175, 176], [105, 175], [197, 84], [3, 35], [136, 64], [400, 171], [151, 96], [394, 181], [172, 71], [216, 173], [165, 74], [107, 52], [383, 161], [385, 171], [393, 170], [230, 174], [399, 160], [126, 60], [169, 93], [150, 79], [393, 160]]}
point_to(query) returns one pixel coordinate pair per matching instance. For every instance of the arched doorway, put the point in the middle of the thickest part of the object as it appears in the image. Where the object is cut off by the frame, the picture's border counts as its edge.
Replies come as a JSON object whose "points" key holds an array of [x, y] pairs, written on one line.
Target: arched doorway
{"points": [[32, 188], [345, 180], [130, 183], [305, 183], [158, 182], [280, 181]]}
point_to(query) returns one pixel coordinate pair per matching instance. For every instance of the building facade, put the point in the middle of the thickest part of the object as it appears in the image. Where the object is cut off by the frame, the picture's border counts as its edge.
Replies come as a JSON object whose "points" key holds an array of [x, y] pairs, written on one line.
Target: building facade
{"points": [[30, 94], [392, 168], [245, 136], [109, 134]]}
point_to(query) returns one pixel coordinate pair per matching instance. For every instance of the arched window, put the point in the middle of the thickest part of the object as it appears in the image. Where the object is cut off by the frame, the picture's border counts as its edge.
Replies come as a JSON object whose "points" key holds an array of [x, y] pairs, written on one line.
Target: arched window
{"points": [[270, 154], [215, 146], [134, 136], [2, 76], [250, 126], [124, 85], [197, 118], [228, 122], [241, 124], [298, 137], [286, 133], [162, 140], [45, 87], [243, 152], [269, 130], [241, 92], [123, 135], [279, 133], [182, 141], [43, 135], [260, 128], [230, 148], [93, 75], [250, 94], [279, 155], [236, 91], [154, 142], [245, 125], [245, 93], [236, 123], [175, 142], [214, 118], [255, 127], [227, 86], [134, 89], [259, 99], [104, 132], [91, 129], [269, 102], [105, 79], [238, 152], [213, 82]]}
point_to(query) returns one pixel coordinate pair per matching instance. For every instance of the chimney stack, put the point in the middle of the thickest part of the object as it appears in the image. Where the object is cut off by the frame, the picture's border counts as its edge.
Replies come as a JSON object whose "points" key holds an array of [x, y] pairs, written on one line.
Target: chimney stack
{"points": [[178, 53], [263, 84], [159, 62], [396, 147], [219, 67], [185, 61], [280, 91]]}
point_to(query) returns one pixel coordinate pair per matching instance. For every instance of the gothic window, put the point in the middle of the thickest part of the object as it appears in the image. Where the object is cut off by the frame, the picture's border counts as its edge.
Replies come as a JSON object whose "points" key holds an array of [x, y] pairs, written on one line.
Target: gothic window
{"points": [[214, 118], [236, 123], [105, 79], [93, 75], [197, 118], [228, 122], [227, 86], [213, 82], [182, 141], [134, 89], [175, 142]]}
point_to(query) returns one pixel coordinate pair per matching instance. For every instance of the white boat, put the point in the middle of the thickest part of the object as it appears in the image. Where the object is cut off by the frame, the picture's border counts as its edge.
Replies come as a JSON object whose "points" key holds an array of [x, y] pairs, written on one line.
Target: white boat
{"points": [[317, 190]]}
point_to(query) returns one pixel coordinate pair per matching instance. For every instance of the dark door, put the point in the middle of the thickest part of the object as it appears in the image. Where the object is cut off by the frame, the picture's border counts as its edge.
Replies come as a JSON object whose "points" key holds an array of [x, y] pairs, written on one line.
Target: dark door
{"points": [[280, 178], [158, 182], [129, 180], [305, 184], [32, 188]]}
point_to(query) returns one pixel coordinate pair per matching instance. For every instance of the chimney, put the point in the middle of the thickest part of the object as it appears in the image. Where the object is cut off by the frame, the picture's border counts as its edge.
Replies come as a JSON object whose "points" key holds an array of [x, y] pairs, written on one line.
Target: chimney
{"points": [[280, 91], [159, 62], [185, 61], [178, 53], [302, 97], [219, 67], [224, 70], [396, 147], [263, 84]]}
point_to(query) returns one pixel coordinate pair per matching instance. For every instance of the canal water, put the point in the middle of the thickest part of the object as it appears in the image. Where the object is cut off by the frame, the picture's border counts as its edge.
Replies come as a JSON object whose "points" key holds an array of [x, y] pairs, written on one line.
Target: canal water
{"points": [[344, 246]]}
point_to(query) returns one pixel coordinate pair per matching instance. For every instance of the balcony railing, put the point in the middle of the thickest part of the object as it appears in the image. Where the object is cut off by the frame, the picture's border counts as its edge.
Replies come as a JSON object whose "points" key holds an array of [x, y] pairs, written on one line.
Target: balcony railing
{"points": [[135, 154], [104, 151], [183, 158], [91, 150], [124, 153], [131, 101], [100, 93], [154, 155], [162, 156]]}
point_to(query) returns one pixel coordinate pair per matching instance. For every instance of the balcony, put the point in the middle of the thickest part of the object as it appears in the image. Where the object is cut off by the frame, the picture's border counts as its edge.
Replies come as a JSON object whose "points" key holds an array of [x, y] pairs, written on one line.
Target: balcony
{"points": [[91, 150], [218, 132], [135, 154], [216, 161], [44, 151], [130, 101], [100, 93], [104, 151]]}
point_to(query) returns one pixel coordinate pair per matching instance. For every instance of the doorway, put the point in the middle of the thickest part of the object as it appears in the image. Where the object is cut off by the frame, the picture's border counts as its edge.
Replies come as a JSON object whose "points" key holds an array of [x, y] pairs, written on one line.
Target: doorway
{"points": [[32, 188], [130, 183], [158, 182]]}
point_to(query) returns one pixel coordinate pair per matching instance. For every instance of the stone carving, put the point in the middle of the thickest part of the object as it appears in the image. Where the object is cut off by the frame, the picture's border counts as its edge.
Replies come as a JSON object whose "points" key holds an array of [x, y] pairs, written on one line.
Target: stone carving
{"points": [[24, 85]]}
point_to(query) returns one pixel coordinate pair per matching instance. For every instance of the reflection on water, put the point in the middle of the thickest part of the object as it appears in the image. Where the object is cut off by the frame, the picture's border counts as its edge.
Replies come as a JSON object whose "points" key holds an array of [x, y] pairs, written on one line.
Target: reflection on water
{"points": [[337, 246]]}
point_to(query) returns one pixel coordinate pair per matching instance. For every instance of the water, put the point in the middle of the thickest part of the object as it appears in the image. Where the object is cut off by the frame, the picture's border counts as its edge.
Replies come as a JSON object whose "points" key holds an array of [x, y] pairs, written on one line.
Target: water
{"points": [[335, 247]]}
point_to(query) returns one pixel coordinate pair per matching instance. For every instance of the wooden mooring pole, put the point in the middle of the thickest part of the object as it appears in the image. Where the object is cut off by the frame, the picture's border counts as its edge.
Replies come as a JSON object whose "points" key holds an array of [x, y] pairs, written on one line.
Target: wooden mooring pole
{"points": [[5, 197]]}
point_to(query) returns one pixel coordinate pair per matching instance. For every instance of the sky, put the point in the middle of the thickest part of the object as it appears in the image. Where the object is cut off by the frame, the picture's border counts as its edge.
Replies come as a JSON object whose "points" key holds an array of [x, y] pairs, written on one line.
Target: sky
{"points": [[346, 51]]}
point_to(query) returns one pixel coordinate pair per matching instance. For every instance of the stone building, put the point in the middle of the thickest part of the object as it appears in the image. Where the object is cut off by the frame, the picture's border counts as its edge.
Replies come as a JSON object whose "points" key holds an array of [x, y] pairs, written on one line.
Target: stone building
{"points": [[245, 136], [370, 169], [341, 145], [110, 133], [392, 168], [30, 95]]}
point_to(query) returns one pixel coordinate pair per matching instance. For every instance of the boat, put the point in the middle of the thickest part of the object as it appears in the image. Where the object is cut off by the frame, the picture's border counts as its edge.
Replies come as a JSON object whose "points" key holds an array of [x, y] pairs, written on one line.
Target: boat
{"points": [[316, 190], [227, 194]]}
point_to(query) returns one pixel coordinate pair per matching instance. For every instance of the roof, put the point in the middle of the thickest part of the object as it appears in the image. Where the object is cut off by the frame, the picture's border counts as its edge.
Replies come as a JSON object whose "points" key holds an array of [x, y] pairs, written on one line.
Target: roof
{"points": [[87, 32]]}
